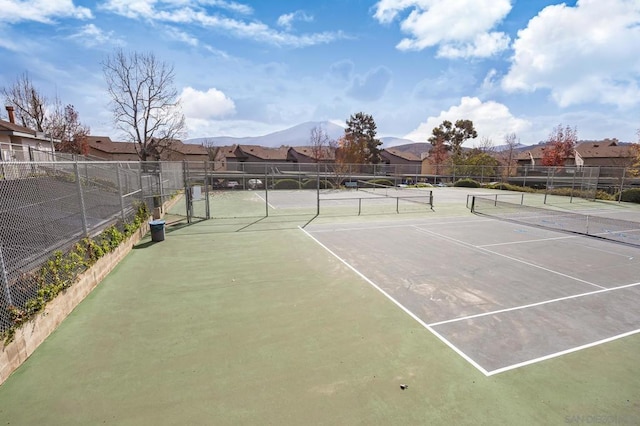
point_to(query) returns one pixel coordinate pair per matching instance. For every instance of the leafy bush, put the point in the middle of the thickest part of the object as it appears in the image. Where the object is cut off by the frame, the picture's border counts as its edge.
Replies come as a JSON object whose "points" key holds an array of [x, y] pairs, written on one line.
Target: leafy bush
{"points": [[385, 182], [509, 187], [62, 269], [287, 184], [603, 195], [313, 184], [630, 195], [467, 183]]}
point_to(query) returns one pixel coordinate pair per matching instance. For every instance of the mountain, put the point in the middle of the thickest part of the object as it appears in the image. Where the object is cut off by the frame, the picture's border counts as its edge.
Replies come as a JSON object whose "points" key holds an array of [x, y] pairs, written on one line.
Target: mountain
{"points": [[293, 136], [417, 148], [391, 142]]}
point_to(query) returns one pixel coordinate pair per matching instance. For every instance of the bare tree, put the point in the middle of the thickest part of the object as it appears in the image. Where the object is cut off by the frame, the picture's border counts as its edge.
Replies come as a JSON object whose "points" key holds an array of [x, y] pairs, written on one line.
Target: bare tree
{"points": [[320, 143], [63, 123], [30, 105], [144, 101], [508, 154], [486, 145]]}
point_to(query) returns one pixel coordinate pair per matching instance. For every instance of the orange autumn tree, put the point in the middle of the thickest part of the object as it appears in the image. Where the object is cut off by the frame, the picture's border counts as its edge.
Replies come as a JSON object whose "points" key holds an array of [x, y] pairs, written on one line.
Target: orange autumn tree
{"points": [[439, 154], [560, 146]]}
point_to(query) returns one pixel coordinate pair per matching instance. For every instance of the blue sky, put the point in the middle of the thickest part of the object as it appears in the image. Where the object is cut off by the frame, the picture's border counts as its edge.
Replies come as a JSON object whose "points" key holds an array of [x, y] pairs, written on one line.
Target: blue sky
{"points": [[247, 68]]}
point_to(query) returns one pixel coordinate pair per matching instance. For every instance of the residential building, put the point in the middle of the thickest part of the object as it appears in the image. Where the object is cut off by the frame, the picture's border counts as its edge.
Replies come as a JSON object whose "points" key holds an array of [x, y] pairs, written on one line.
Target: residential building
{"points": [[19, 143]]}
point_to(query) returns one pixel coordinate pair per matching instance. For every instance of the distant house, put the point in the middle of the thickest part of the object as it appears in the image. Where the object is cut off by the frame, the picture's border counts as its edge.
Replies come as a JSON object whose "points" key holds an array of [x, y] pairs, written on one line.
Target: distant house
{"points": [[104, 148], [223, 157], [19, 143], [533, 157], [251, 158], [307, 154], [176, 150], [404, 162], [605, 153]]}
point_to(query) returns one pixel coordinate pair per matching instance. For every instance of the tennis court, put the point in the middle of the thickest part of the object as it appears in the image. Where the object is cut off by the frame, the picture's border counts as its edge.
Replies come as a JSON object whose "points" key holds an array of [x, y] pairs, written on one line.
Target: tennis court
{"points": [[249, 320], [502, 295]]}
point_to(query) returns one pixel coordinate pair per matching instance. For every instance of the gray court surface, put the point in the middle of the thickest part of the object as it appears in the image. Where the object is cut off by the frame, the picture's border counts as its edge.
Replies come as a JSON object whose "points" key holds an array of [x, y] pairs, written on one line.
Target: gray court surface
{"points": [[501, 295]]}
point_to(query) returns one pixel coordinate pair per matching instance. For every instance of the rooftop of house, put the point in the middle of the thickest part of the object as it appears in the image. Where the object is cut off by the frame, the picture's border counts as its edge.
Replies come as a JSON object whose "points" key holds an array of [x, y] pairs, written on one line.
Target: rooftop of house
{"points": [[105, 144], [264, 153], [12, 127], [309, 151], [405, 155]]}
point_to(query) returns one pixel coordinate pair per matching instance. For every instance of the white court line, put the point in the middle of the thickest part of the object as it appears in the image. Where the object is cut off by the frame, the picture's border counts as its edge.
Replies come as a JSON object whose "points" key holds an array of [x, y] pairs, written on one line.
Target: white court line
{"points": [[515, 259], [553, 239], [530, 305], [527, 241], [557, 354], [403, 225], [263, 199], [398, 304]]}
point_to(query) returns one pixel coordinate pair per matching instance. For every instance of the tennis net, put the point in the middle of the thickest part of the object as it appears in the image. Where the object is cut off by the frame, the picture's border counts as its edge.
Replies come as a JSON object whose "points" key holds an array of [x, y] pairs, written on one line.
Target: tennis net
{"points": [[411, 195], [623, 231]]}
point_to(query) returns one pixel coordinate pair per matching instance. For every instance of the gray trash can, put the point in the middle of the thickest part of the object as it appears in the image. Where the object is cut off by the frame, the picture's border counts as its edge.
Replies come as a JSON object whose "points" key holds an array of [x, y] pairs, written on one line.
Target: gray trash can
{"points": [[157, 230]]}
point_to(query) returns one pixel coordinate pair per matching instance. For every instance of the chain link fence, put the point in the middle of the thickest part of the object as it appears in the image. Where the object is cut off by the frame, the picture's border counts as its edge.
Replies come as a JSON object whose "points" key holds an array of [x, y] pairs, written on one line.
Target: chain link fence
{"points": [[47, 207]]}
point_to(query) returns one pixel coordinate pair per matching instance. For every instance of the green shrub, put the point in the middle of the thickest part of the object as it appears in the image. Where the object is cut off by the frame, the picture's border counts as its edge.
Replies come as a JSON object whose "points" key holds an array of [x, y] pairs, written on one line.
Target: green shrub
{"points": [[313, 184], [603, 195], [631, 195], [61, 270], [467, 183], [385, 182], [287, 184]]}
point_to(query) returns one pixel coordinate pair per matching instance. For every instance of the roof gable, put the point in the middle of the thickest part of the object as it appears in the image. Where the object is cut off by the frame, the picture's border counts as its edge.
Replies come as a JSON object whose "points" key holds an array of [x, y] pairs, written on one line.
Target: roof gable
{"points": [[12, 127]]}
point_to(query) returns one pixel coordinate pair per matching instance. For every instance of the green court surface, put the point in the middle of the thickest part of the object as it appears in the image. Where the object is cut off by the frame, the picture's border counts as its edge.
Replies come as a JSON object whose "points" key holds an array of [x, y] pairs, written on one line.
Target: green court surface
{"points": [[251, 321]]}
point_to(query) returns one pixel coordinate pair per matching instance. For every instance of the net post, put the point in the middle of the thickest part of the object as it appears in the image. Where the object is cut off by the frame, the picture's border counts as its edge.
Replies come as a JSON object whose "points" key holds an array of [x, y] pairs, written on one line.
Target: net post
{"points": [[431, 199], [317, 189], [266, 193], [495, 201], [473, 203], [359, 206], [398, 205], [206, 190], [522, 199]]}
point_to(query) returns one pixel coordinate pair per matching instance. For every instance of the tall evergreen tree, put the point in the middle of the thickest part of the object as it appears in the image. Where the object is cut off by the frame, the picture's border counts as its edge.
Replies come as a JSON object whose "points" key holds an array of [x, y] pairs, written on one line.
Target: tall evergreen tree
{"points": [[360, 136]]}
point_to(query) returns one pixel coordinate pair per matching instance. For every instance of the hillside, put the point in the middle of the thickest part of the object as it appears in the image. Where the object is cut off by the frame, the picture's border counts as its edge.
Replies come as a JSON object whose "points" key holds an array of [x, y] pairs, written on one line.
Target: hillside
{"points": [[293, 136]]}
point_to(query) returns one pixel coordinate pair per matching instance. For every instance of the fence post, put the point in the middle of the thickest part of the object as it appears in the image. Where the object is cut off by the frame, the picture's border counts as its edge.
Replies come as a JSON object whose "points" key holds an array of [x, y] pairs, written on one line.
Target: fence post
{"points": [[624, 172], [83, 212], [120, 192], [573, 184], [206, 190], [4, 276]]}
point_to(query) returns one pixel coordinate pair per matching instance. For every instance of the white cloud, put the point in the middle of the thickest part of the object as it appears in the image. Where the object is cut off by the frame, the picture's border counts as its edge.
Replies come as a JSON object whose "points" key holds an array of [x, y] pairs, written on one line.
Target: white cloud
{"points": [[491, 120], [90, 36], [460, 28], [182, 12], [182, 36], [586, 53], [211, 104], [44, 11], [371, 86], [286, 20]]}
